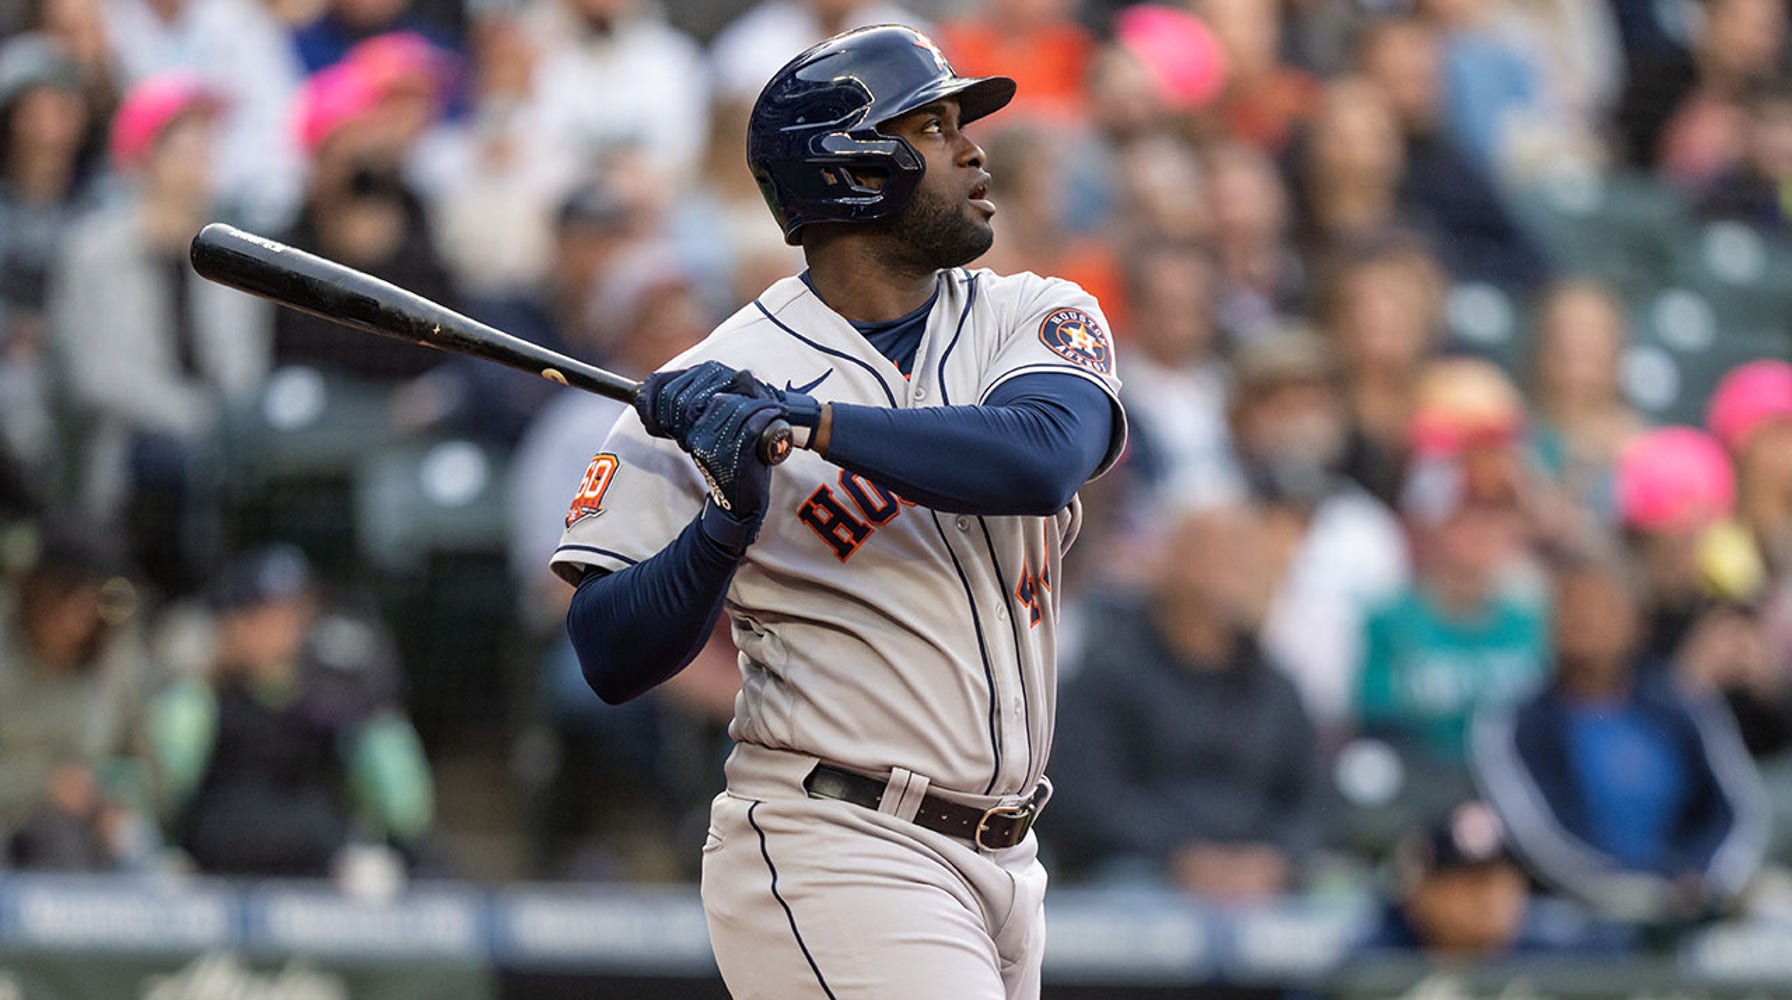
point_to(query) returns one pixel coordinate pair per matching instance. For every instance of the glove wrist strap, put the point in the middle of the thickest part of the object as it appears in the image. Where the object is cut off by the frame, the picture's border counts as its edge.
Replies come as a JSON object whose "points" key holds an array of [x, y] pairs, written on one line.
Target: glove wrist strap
{"points": [[731, 533], [803, 413]]}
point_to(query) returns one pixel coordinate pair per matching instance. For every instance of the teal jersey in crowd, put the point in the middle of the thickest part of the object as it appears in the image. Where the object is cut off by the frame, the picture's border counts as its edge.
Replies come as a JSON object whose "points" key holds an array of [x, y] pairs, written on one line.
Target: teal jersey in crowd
{"points": [[1425, 672]]}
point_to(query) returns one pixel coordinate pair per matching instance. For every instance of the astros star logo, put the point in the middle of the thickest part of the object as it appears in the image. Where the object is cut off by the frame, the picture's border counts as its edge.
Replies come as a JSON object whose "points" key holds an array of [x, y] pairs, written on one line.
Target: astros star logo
{"points": [[1075, 335]]}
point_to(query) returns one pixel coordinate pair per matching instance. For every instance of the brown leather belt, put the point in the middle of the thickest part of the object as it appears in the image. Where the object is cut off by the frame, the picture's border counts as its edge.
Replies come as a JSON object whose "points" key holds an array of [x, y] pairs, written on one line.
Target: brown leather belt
{"points": [[991, 829]]}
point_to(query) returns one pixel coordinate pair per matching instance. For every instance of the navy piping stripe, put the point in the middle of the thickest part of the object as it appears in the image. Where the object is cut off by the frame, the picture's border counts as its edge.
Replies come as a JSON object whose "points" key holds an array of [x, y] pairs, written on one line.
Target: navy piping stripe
{"points": [[891, 396], [596, 551], [788, 913], [1020, 668], [989, 672], [970, 299]]}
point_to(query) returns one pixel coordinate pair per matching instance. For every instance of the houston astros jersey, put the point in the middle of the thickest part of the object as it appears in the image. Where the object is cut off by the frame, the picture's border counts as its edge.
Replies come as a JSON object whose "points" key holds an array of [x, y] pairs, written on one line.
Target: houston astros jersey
{"points": [[875, 632]]}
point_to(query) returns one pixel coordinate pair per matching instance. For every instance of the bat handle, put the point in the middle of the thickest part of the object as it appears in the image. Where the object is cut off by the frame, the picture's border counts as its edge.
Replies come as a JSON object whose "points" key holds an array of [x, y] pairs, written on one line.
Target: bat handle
{"points": [[774, 442]]}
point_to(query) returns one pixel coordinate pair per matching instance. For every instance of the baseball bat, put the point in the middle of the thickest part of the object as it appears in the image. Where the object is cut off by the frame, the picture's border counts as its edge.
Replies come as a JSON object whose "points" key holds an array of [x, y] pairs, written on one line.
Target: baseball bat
{"points": [[341, 294]]}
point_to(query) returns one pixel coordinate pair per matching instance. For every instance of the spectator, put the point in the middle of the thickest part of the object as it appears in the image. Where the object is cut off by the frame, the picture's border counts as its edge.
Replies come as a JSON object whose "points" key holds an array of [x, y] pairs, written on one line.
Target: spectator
{"points": [[290, 745], [1750, 190], [1461, 636], [1493, 90], [1345, 172], [595, 233], [1033, 41], [1582, 418], [1580, 65], [1259, 278], [1335, 552], [1681, 112], [1631, 797], [150, 352], [359, 210], [1382, 308], [44, 186], [1181, 750], [1265, 100], [73, 669], [652, 76], [1476, 237], [770, 33], [1459, 894], [494, 180], [240, 51], [1175, 392], [1751, 413]]}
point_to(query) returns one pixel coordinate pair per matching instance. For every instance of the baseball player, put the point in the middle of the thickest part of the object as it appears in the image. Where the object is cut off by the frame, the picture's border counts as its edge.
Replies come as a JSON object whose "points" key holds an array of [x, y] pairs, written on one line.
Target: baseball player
{"points": [[892, 587]]}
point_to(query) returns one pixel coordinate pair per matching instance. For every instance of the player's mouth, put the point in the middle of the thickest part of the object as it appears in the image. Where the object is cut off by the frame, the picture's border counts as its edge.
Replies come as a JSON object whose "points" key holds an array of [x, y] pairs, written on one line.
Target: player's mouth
{"points": [[980, 197]]}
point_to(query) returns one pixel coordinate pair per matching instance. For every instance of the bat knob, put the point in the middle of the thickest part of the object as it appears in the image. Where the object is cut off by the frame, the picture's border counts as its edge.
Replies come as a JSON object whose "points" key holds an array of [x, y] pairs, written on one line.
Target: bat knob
{"points": [[775, 443]]}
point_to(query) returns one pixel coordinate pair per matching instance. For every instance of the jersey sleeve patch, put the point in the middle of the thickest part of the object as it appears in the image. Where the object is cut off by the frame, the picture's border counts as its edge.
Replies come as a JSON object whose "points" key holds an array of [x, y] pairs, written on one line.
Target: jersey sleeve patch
{"points": [[1075, 336], [589, 500]]}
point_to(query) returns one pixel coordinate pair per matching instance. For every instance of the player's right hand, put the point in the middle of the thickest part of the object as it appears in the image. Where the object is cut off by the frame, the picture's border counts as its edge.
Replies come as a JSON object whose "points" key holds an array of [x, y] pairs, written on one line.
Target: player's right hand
{"points": [[669, 401], [724, 441]]}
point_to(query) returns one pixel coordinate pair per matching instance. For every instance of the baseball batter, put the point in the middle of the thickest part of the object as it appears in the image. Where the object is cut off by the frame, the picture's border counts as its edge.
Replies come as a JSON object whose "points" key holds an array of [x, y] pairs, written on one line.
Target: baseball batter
{"points": [[892, 587]]}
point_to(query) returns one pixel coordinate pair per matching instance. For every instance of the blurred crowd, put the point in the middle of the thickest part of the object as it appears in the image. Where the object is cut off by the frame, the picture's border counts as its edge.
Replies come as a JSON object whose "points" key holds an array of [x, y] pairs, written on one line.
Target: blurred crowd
{"points": [[1451, 553]]}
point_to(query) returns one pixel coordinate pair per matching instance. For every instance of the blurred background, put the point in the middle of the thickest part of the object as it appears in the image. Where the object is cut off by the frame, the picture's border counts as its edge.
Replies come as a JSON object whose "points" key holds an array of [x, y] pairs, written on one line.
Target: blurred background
{"points": [[1433, 638]]}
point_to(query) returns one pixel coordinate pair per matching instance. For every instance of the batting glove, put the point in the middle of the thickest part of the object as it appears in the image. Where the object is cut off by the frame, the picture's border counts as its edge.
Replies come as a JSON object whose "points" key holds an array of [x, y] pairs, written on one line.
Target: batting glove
{"points": [[669, 401], [724, 442]]}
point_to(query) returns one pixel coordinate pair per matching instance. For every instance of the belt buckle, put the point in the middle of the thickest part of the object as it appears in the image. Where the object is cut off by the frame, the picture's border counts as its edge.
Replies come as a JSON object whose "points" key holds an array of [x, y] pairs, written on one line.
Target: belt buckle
{"points": [[1023, 812]]}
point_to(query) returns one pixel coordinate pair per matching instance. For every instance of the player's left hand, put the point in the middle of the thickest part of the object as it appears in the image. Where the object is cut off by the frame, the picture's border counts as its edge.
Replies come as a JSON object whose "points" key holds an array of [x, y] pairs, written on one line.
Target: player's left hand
{"points": [[724, 442]]}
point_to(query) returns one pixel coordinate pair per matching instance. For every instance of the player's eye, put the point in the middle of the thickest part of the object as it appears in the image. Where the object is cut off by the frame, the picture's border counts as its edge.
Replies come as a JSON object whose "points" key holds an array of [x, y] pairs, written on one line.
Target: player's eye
{"points": [[934, 125]]}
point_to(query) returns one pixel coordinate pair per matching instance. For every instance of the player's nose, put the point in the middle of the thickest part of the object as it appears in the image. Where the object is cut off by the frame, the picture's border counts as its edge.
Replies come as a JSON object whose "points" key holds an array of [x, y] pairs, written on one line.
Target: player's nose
{"points": [[969, 153]]}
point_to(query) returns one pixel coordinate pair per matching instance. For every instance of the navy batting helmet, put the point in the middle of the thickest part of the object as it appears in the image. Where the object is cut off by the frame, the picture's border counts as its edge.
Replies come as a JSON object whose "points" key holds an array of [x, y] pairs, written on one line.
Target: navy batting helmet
{"points": [[813, 142]]}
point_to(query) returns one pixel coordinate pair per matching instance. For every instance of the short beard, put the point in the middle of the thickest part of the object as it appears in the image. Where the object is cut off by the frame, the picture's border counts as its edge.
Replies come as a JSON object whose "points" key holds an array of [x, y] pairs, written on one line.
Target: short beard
{"points": [[931, 233]]}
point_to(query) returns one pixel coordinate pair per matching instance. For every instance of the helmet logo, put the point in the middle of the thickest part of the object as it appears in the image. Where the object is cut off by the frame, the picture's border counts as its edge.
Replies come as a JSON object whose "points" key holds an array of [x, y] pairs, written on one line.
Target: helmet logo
{"points": [[939, 58]]}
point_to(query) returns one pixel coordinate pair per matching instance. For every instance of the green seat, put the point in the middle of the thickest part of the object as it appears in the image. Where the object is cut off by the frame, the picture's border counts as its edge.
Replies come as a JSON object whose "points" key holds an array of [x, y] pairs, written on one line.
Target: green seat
{"points": [[1620, 229], [424, 499]]}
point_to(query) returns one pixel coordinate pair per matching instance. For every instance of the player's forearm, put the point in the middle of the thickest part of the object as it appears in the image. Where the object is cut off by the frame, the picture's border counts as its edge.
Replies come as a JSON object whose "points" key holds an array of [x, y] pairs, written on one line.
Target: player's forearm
{"points": [[1026, 452], [635, 628]]}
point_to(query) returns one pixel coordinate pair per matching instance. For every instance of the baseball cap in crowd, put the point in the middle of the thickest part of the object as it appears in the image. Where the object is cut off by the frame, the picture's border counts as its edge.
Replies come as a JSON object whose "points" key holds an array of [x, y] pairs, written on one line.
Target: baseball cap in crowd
{"points": [[1674, 479], [1462, 403], [263, 576], [1180, 51], [1748, 397], [1278, 356], [151, 106], [34, 60], [1471, 836], [597, 205], [403, 61], [333, 97]]}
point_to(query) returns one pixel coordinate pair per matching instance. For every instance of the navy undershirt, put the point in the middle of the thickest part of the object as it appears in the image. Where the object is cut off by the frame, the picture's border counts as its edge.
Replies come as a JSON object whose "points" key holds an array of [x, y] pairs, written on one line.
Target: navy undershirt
{"points": [[897, 339]]}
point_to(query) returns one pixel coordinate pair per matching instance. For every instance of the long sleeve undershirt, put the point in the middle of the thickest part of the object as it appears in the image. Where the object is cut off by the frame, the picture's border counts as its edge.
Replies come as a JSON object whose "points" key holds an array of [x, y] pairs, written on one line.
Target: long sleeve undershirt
{"points": [[1025, 452]]}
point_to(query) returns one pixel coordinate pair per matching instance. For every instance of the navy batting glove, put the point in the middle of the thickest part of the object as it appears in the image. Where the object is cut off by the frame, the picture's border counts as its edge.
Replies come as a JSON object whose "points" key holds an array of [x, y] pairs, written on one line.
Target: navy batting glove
{"points": [[669, 401], [724, 441], [801, 410]]}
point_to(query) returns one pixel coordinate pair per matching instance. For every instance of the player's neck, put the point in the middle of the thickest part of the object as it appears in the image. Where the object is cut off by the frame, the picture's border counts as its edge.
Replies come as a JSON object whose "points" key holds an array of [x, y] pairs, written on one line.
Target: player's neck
{"points": [[854, 281]]}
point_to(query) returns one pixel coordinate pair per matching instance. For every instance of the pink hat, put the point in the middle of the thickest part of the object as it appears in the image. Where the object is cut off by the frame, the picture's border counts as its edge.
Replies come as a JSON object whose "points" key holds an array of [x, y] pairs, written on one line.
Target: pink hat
{"points": [[1748, 397], [1672, 479], [401, 60], [1179, 49], [332, 98], [152, 106]]}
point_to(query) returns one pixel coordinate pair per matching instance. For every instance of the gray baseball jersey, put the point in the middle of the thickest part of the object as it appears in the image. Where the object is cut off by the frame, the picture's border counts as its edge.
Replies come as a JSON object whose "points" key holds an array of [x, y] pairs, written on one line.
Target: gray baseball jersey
{"points": [[876, 633]]}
